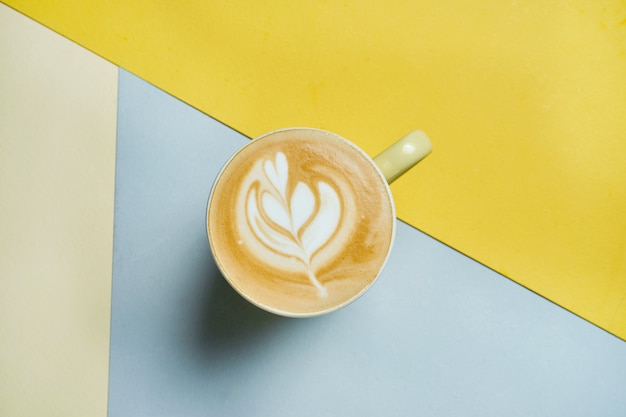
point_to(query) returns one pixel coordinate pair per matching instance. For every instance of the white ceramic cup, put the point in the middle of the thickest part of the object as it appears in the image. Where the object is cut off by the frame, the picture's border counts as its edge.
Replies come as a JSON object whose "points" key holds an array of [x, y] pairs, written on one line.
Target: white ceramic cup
{"points": [[301, 221]]}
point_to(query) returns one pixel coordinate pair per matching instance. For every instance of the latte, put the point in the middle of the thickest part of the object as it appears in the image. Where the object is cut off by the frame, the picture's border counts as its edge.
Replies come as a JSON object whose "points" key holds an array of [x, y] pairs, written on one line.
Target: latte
{"points": [[300, 221]]}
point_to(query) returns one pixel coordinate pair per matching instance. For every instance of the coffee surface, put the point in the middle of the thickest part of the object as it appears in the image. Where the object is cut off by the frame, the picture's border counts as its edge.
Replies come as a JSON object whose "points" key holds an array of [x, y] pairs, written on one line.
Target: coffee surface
{"points": [[300, 221]]}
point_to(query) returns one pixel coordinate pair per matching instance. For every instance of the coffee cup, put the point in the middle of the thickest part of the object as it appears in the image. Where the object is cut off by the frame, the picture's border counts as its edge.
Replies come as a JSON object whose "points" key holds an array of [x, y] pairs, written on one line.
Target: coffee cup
{"points": [[301, 221]]}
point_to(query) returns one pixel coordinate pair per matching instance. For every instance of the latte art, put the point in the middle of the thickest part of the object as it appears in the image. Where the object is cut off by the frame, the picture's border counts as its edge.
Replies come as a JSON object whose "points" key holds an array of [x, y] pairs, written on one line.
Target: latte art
{"points": [[295, 223], [300, 221]]}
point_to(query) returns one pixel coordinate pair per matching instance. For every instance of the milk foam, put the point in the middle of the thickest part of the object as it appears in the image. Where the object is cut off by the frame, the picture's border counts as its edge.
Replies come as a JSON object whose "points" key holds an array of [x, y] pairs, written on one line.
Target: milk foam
{"points": [[300, 222], [293, 223]]}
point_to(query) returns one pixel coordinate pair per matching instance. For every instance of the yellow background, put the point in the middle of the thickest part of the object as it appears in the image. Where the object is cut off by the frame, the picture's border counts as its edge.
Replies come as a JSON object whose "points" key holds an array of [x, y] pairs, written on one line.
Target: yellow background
{"points": [[525, 102], [58, 106]]}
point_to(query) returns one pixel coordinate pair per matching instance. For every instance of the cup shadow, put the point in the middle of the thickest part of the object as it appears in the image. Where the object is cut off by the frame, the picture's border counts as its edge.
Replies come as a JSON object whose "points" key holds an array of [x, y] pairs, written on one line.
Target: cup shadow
{"points": [[226, 322]]}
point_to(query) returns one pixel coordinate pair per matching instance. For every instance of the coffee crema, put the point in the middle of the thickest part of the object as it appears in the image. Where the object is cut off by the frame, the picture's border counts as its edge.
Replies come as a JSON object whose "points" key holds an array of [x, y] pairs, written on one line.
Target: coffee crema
{"points": [[300, 221]]}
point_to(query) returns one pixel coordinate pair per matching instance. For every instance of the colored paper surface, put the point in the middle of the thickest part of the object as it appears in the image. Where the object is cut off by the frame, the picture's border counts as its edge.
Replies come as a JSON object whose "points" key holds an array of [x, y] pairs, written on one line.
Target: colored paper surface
{"points": [[452, 338], [58, 106], [525, 103]]}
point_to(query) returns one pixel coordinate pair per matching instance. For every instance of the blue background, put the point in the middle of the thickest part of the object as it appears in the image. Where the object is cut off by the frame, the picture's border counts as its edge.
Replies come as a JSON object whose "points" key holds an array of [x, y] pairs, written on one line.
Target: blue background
{"points": [[437, 335]]}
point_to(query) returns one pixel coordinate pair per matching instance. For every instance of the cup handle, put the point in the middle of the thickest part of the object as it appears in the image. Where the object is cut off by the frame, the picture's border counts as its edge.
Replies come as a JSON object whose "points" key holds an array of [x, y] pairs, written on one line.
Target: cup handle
{"points": [[403, 155]]}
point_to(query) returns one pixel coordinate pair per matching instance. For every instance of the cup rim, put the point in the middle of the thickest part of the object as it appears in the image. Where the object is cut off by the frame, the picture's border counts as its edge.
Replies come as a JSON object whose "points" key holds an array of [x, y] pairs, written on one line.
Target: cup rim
{"points": [[278, 311]]}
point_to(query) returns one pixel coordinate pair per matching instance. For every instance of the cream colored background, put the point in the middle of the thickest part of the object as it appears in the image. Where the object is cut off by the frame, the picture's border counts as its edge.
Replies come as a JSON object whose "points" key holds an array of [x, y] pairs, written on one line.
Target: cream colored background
{"points": [[57, 158]]}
